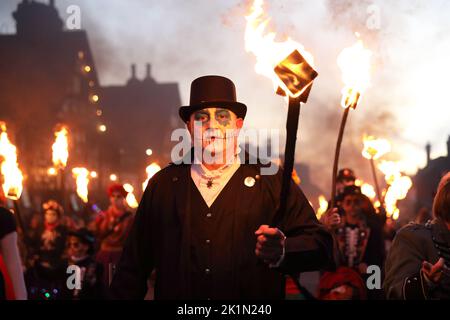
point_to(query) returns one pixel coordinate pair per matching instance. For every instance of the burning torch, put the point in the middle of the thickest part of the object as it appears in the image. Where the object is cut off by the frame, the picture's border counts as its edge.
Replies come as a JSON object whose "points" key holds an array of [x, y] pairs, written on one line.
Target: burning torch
{"points": [[288, 65], [12, 175], [354, 63], [151, 170], [373, 150], [131, 198], [60, 154], [398, 187], [81, 176]]}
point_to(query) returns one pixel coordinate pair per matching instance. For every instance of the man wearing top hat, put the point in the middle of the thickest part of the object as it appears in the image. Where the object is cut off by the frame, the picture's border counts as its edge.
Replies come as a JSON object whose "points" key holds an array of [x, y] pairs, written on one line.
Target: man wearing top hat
{"points": [[203, 222]]}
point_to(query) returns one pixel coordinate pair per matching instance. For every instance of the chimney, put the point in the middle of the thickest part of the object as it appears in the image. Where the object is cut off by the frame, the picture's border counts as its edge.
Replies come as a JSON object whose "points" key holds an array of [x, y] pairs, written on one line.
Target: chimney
{"points": [[428, 149], [149, 69], [448, 147], [133, 71]]}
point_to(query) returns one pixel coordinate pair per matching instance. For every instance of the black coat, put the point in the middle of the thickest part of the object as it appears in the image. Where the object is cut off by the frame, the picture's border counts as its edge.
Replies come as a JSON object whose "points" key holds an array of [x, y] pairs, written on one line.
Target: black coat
{"points": [[161, 238]]}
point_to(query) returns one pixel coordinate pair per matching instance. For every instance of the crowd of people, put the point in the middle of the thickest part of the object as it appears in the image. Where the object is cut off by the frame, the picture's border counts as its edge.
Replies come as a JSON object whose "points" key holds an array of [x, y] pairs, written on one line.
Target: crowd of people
{"points": [[53, 241], [414, 260]]}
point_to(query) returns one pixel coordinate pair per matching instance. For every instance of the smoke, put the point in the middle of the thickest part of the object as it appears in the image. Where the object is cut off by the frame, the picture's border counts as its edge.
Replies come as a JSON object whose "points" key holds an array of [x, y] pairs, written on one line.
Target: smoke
{"points": [[186, 39]]}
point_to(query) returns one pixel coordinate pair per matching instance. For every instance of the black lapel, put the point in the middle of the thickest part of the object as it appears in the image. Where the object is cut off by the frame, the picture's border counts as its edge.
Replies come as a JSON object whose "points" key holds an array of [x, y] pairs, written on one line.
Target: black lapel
{"points": [[182, 190], [181, 187]]}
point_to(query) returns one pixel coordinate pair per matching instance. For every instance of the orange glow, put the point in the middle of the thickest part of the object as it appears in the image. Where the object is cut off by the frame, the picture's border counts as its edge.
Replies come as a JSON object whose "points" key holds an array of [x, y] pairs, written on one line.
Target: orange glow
{"points": [[81, 176], [12, 175], [375, 148], [60, 148], [355, 64], [151, 170], [323, 205], [95, 98], [268, 52], [398, 189], [87, 68], [295, 177], [131, 199]]}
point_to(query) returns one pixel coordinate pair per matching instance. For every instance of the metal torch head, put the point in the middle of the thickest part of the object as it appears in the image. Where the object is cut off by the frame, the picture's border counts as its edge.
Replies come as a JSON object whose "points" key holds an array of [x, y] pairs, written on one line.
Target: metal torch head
{"points": [[351, 98], [296, 76]]}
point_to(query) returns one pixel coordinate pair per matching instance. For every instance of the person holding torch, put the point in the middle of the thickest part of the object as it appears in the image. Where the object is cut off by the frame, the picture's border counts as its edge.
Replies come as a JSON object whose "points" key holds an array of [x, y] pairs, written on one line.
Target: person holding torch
{"points": [[202, 223]]}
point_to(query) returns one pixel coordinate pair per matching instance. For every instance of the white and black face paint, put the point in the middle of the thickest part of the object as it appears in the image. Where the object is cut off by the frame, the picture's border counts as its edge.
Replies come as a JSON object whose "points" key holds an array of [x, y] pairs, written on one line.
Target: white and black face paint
{"points": [[216, 131]]}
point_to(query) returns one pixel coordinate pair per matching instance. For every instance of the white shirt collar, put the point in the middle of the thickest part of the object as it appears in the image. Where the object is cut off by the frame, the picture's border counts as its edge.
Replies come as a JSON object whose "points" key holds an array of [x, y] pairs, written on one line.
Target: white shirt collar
{"points": [[211, 182]]}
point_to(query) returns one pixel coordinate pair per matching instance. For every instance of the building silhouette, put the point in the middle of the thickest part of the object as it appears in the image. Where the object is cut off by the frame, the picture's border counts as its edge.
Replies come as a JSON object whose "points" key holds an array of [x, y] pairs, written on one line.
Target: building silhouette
{"points": [[141, 116], [49, 77], [427, 179]]}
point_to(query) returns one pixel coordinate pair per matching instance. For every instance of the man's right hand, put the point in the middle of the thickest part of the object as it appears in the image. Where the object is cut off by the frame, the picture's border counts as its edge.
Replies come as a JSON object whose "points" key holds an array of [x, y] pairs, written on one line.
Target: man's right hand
{"points": [[332, 218]]}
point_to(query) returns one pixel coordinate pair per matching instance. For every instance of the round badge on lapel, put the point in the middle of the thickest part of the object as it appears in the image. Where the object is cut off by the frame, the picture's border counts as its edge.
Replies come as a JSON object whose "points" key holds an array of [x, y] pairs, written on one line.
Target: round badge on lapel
{"points": [[249, 182]]}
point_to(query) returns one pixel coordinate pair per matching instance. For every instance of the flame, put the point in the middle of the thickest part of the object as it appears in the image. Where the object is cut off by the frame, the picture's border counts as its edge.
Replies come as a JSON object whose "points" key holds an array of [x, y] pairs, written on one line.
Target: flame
{"points": [[82, 180], [151, 170], [368, 190], [131, 199], [375, 148], [323, 206], [355, 65], [269, 53], [295, 177], [397, 190], [60, 148], [391, 171], [12, 175]]}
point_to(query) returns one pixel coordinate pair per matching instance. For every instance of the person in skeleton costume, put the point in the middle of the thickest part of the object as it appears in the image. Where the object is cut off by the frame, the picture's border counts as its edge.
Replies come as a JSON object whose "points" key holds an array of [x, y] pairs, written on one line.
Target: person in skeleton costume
{"points": [[80, 252], [358, 240]]}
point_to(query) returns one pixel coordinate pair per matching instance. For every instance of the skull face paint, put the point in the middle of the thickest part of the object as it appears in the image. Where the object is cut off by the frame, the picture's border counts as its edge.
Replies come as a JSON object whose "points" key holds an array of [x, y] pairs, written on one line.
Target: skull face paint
{"points": [[222, 116], [218, 129]]}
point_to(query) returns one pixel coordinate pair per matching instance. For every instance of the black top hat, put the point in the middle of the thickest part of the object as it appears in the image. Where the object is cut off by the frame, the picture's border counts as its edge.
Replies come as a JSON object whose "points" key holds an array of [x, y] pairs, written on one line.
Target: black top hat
{"points": [[209, 91]]}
